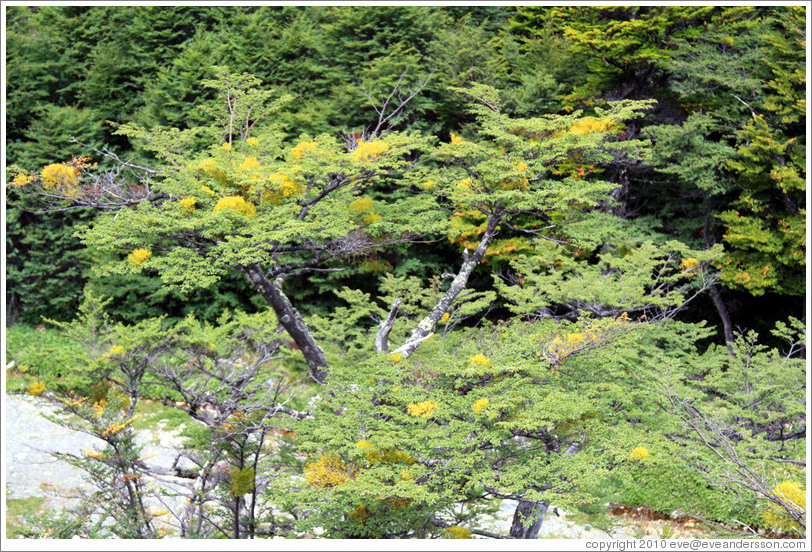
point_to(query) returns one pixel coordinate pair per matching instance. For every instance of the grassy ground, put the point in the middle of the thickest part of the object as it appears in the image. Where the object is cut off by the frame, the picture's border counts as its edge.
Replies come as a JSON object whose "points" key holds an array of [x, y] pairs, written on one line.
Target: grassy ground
{"points": [[152, 412], [16, 509], [16, 381]]}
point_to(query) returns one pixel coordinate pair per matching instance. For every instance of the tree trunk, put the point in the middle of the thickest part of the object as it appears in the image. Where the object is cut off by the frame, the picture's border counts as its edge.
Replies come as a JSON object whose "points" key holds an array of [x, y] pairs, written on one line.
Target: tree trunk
{"points": [[426, 326], [723, 314], [716, 297], [290, 319], [528, 510]]}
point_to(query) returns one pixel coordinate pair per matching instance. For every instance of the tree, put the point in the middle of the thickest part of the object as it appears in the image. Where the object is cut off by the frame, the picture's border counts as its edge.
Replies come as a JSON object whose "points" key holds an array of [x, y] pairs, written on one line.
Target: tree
{"points": [[643, 279], [251, 205], [721, 77], [625, 45], [749, 88], [46, 264], [225, 377], [69, 70], [745, 418], [429, 409], [419, 447], [117, 498]]}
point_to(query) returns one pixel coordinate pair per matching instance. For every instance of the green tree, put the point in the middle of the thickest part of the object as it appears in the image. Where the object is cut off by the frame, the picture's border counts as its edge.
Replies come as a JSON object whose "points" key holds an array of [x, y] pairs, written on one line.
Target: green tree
{"points": [[766, 227], [202, 370], [745, 417], [253, 206], [747, 81], [721, 77], [45, 263], [409, 447], [625, 45]]}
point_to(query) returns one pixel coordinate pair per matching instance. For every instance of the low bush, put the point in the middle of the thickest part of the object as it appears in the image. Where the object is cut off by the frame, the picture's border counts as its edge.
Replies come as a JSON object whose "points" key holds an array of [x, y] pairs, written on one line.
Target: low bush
{"points": [[676, 489], [46, 355]]}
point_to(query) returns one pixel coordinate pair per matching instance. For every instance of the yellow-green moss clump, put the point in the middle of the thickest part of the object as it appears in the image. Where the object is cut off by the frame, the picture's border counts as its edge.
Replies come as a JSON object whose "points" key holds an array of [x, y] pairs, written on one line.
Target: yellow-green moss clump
{"points": [[422, 409], [140, 256], [457, 532], [328, 471], [639, 453], [369, 151], [777, 518], [236, 203], [36, 389]]}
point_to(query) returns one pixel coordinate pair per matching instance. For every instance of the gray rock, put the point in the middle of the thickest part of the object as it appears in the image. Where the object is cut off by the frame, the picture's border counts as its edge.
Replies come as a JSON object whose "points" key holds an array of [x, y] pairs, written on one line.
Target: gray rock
{"points": [[29, 439]]}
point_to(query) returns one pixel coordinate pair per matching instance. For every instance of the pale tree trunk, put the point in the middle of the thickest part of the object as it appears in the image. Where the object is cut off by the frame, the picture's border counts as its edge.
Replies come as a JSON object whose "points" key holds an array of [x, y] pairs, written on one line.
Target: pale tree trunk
{"points": [[385, 327], [290, 319], [426, 326]]}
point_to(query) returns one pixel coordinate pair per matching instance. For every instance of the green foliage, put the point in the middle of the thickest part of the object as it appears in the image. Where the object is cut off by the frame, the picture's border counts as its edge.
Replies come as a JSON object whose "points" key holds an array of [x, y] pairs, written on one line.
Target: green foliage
{"points": [[242, 481], [576, 219], [50, 135], [712, 68], [514, 411], [638, 278], [27, 518], [624, 44], [688, 494], [134, 297], [743, 413], [48, 356], [349, 327], [759, 388], [225, 187], [114, 467], [152, 412], [762, 226], [787, 79], [71, 68], [767, 228], [45, 264], [173, 96], [686, 152], [202, 367], [718, 70]]}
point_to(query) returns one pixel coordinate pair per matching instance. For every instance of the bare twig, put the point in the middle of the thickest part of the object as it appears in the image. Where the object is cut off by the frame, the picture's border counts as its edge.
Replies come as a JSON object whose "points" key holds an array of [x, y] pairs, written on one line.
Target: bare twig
{"points": [[395, 115]]}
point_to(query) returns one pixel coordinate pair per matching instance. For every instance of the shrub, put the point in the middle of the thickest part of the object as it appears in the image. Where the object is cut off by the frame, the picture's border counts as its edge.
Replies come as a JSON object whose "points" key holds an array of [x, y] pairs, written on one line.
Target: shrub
{"points": [[51, 357]]}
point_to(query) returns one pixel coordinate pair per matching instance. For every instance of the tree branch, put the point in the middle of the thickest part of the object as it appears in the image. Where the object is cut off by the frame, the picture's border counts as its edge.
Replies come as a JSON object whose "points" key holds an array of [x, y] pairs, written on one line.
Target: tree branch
{"points": [[425, 328], [385, 327]]}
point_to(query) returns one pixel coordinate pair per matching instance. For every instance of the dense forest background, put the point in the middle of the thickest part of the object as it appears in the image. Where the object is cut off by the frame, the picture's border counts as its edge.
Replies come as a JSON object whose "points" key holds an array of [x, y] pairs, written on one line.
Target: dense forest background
{"points": [[728, 128], [586, 229]]}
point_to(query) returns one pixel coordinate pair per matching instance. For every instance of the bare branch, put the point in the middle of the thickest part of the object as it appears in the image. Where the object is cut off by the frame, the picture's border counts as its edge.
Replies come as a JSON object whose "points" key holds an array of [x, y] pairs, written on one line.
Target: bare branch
{"points": [[752, 111], [385, 327], [396, 114], [110, 155]]}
